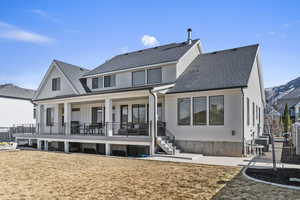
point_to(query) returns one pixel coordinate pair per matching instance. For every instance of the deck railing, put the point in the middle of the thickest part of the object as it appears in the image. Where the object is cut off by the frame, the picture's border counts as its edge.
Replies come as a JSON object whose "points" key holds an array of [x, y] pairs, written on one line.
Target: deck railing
{"points": [[97, 129]]}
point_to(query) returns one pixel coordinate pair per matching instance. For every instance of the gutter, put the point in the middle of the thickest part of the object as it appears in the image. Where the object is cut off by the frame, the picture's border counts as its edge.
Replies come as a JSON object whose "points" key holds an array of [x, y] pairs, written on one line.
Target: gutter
{"points": [[243, 120]]}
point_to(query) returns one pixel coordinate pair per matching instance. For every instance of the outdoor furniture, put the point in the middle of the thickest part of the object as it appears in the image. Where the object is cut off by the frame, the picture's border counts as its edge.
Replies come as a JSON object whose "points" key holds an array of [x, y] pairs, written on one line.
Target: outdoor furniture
{"points": [[259, 149]]}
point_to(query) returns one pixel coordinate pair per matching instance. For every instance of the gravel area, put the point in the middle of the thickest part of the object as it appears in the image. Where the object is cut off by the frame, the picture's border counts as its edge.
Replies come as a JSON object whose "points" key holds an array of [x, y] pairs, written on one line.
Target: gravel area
{"points": [[242, 188]]}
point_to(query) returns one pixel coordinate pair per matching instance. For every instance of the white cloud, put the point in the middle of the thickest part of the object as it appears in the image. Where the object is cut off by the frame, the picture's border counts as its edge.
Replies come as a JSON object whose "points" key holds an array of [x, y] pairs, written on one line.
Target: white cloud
{"points": [[8, 31], [45, 15], [149, 40]]}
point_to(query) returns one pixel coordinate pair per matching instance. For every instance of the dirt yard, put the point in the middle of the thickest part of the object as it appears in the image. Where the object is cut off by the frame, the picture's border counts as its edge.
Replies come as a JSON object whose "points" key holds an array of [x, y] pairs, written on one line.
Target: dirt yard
{"points": [[48, 175]]}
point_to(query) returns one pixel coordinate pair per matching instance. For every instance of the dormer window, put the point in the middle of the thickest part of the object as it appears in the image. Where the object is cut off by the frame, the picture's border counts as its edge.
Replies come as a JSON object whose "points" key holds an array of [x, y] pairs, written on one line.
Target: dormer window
{"points": [[97, 83], [154, 76], [110, 81], [55, 84], [138, 78]]}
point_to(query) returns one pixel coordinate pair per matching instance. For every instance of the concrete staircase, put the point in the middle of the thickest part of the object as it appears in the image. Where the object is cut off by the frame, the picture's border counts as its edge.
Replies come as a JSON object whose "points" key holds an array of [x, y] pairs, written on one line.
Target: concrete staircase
{"points": [[167, 145]]}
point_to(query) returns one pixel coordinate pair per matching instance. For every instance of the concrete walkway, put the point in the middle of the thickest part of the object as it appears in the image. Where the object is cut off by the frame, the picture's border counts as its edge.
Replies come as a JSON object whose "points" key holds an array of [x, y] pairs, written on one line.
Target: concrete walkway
{"points": [[209, 160]]}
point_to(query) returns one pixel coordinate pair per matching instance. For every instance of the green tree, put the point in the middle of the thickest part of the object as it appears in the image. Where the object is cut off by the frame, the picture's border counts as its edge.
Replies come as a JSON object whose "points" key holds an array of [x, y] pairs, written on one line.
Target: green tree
{"points": [[286, 119]]}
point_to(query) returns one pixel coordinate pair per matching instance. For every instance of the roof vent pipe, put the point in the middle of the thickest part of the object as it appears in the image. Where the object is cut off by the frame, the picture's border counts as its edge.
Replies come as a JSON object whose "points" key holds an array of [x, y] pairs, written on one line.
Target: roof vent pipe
{"points": [[189, 39]]}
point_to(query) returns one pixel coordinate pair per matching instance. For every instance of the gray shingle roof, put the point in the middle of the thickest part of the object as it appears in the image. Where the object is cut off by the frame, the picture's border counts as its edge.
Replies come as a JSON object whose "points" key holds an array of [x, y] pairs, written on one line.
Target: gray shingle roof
{"points": [[73, 73], [293, 94], [217, 70], [13, 91], [151, 56]]}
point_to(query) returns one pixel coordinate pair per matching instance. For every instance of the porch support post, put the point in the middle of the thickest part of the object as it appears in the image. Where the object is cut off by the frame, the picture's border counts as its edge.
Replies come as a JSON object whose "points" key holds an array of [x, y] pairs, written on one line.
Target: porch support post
{"points": [[108, 117], [107, 149], [30, 142], [66, 146], [40, 119], [46, 145], [67, 118], [153, 120], [39, 144]]}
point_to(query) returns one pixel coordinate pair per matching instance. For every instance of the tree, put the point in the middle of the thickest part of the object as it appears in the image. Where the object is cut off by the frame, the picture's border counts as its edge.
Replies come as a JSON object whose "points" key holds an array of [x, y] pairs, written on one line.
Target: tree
{"points": [[286, 119]]}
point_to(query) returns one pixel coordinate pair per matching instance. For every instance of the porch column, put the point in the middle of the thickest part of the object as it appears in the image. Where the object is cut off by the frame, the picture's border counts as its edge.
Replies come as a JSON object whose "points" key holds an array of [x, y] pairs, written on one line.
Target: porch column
{"points": [[30, 142], [46, 145], [108, 116], [66, 146], [40, 119], [153, 120], [39, 144], [67, 118], [107, 149]]}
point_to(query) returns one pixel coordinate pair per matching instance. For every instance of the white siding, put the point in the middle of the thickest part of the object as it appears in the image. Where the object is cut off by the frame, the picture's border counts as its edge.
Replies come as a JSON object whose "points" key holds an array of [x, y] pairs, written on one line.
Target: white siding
{"points": [[124, 79], [253, 92], [46, 90], [232, 118], [15, 111]]}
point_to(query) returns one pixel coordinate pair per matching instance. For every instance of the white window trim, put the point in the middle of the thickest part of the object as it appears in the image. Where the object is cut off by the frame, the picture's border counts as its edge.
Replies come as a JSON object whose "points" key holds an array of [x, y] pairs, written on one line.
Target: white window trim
{"points": [[207, 112]]}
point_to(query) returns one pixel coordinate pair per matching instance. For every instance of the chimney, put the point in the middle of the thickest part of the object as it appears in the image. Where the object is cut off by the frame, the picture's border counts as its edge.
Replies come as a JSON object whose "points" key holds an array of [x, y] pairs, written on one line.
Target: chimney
{"points": [[189, 39]]}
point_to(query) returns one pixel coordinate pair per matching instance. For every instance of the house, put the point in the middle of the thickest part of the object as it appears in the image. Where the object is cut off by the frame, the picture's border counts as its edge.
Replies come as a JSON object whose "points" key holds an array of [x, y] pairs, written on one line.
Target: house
{"points": [[292, 99], [16, 106], [169, 98]]}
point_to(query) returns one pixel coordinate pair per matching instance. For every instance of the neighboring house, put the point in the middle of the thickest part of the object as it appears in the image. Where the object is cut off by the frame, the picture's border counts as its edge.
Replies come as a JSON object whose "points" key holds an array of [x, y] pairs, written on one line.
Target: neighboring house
{"points": [[292, 99], [16, 106], [167, 98]]}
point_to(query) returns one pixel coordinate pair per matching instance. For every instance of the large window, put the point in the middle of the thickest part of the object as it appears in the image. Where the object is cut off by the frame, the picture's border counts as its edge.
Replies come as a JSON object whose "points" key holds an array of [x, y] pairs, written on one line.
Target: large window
{"points": [[154, 76], [110, 81], [248, 111], [138, 78], [138, 113], [55, 84], [49, 117], [199, 110], [216, 110], [184, 111]]}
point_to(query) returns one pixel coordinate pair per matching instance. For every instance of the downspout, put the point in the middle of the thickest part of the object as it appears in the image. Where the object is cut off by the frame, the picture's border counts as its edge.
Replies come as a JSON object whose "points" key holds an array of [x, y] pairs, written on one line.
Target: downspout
{"points": [[243, 118], [154, 117]]}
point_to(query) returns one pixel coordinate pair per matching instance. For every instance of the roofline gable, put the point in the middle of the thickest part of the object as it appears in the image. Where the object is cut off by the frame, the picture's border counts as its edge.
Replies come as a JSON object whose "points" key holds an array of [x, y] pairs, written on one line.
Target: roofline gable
{"points": [[45, 78], [257, 58]]}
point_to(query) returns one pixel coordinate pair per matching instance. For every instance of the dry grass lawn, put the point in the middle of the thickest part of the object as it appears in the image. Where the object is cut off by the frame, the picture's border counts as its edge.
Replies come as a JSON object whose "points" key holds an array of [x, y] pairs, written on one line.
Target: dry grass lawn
{"points": [[48, 175]]}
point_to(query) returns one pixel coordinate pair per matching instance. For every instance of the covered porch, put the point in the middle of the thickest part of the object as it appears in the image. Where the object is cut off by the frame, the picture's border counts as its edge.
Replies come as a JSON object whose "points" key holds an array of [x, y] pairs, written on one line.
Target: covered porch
{"points": [[130, 115]]}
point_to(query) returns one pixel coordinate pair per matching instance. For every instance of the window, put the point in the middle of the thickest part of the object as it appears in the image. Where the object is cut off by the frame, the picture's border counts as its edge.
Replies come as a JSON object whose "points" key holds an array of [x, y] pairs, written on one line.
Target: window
{"points": [[256, 112], [138, 78], [259, 115], [110, 81], [95, 83], [75, 109], [34, 113], [138, 113], [124, 114], [199, 110], [216, 110], [248, 111], [49, 117], [98, 115], [55, 84], [253, 114], [154, 76], [184, 111]]}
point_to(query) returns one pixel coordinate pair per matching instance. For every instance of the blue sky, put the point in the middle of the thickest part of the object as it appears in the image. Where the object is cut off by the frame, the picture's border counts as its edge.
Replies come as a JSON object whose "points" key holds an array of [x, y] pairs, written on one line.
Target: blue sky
{"points": [[86, 33]]}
